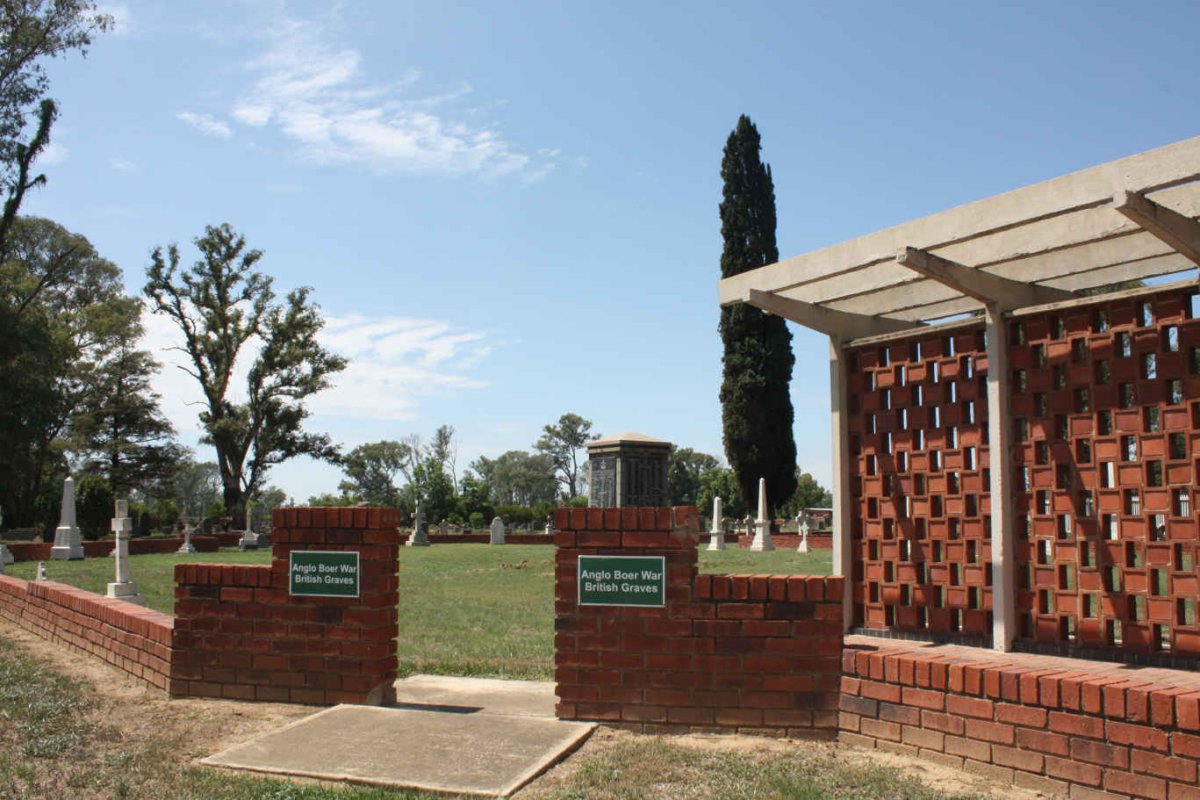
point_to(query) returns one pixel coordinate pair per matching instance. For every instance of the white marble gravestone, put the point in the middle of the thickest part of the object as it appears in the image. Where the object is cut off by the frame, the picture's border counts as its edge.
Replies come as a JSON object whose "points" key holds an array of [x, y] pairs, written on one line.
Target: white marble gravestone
{"points": [[717, 542], [68, 545], [762, 525], [497, 531]]}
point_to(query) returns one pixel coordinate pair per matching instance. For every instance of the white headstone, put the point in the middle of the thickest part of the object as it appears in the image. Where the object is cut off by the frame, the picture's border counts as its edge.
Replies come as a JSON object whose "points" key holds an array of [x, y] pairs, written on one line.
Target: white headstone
{"points": [[550, 526], [717, 542], [41, 572], [187, 546], [123, 588], [803, 530], [497, 531], [762, 525], [418, 538], [68, 546]]}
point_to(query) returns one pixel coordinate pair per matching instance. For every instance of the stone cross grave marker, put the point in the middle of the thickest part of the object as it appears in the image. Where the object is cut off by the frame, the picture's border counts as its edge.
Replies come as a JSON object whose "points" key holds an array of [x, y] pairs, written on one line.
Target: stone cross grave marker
{"points": [[418, 538], [187, 546], [802, 528], [123, 588]]}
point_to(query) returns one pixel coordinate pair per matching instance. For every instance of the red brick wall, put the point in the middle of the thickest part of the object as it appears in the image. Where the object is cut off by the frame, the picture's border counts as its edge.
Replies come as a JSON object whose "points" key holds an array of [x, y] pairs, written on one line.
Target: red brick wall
{"points": [[204, 543], [1106, 427], [728, 652], [484, 538], [239, 634], [1107, 401], [918, 421], [134, 639], [1061, 726], [790, 541]]}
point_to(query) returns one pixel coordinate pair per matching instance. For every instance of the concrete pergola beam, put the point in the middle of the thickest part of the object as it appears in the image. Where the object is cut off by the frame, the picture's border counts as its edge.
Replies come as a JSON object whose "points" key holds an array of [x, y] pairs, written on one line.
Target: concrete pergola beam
{"points": [[1181, 233], [840, 326], [982, 286]]}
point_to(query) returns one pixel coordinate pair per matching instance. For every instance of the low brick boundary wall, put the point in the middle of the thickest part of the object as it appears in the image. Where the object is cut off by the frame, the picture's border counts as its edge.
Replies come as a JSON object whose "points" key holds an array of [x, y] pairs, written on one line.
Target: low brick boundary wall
{"points": [[483, 538], [134, 639], [755, 654], [790, 541], [204, 543], [1058, 725], [239, 634]]}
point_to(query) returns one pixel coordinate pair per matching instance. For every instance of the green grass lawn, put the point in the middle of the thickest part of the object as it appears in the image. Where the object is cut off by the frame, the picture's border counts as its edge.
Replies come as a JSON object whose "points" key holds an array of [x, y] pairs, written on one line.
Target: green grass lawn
{"points": [[153, 574], [465, 609]]}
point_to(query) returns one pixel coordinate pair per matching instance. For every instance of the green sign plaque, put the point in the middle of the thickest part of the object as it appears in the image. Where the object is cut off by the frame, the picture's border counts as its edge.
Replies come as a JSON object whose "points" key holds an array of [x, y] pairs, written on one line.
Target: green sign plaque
{"points": [[323, 573], [622, 581]]}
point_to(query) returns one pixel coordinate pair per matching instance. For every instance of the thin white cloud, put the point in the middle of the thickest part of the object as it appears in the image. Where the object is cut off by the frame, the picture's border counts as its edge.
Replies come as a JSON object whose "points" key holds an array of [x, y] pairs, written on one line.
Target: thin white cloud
{"points": [[206, 124], [122, 164], [395, 364], [54, 153], [316, 95]]}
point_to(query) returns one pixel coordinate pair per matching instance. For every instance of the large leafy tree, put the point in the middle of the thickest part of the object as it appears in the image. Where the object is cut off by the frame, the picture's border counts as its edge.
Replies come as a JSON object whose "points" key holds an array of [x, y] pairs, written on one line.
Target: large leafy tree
{"points": [[119, 427], [808, 494], [30, 346], [756, 404], [30, 32], [517, 478], [562, 443], [371, 471], [685, 468], [720, 482], [62, 316], [223, 306], [196, 488]]}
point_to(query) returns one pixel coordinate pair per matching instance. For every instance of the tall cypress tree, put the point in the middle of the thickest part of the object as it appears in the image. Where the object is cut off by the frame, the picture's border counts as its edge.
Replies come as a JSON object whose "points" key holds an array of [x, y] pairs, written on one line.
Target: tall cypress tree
{"points": [[756, 404]]}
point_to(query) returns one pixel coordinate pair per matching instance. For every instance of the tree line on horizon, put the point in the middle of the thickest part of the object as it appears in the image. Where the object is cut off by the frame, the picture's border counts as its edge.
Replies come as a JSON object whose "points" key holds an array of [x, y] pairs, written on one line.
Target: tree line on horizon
{"points": [[75, 389]]}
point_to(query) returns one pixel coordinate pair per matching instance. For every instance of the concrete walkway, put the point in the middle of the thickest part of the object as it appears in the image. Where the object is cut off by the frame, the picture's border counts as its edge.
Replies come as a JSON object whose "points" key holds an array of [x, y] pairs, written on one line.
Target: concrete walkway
{"points": [[454, 735]]}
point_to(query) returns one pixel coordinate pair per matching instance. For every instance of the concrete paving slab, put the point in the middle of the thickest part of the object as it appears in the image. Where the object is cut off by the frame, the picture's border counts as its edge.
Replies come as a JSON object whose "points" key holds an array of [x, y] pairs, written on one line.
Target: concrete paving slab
{"points": [[486, 695], [487, 754]]}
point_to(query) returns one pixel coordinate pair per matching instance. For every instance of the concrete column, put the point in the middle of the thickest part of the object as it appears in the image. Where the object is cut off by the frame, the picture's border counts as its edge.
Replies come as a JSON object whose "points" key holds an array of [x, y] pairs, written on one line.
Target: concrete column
{"points": [[843, 540], [1000, 463]]}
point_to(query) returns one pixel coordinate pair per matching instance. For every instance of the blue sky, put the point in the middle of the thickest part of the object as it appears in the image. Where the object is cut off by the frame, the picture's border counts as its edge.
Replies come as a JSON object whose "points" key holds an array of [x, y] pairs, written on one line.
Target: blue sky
{"points": [[508, 211]]}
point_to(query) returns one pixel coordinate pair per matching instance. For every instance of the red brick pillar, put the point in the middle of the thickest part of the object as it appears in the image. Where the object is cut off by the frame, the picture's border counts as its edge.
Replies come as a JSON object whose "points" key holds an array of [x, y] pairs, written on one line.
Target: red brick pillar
{"points": [[749, 653], [241, 633]]}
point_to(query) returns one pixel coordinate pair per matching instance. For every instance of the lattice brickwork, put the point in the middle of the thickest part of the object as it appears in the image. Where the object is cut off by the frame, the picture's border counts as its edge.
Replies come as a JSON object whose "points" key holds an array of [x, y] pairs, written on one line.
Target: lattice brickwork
{"points": [[918, 440], [1106, 405], [1106, 447]]}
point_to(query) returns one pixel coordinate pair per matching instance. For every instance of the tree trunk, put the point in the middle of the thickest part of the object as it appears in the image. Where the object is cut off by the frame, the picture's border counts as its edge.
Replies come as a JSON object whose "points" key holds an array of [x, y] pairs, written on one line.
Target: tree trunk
{"points": [[235, 507]]}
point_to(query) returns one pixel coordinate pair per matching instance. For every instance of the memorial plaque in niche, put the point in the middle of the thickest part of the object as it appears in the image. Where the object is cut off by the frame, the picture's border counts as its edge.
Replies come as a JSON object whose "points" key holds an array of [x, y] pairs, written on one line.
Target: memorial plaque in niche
{"points": [[645, 482], [603, 482]]}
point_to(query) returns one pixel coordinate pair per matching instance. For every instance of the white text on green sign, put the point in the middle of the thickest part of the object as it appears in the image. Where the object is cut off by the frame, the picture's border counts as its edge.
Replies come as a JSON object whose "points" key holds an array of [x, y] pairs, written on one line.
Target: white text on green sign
{"points": [[323, 573], [622, 581]]}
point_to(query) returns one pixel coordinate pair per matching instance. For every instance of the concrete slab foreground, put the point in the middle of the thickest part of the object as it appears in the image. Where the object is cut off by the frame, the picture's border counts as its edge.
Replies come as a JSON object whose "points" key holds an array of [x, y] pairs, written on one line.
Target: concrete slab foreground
{"points": [[485, 754], [486, 695]]}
